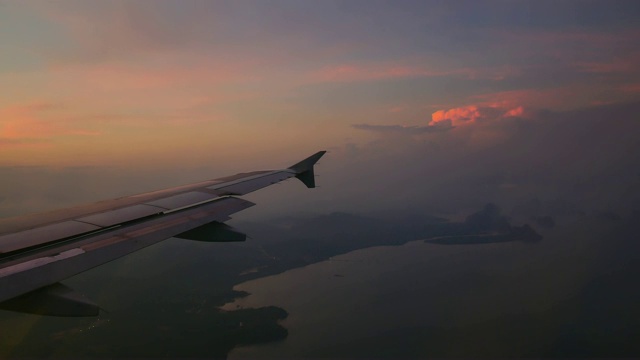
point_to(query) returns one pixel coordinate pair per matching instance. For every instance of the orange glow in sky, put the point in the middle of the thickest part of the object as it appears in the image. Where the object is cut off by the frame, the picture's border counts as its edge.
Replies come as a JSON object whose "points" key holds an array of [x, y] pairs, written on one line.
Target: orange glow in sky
{"points": [[92, 82]]}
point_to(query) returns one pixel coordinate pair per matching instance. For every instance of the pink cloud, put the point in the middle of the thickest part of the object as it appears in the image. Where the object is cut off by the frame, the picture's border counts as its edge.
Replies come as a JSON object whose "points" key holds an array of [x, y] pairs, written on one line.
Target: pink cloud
{"points": [[472, 114], [21, 122], [24, 124], [457, 116], [515, 112], [171, 73], [179, 87]]}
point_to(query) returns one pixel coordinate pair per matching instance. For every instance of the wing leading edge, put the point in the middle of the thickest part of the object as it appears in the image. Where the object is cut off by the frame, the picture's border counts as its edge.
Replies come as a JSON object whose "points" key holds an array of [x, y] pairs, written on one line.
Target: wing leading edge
{"points": [[38, 251]]}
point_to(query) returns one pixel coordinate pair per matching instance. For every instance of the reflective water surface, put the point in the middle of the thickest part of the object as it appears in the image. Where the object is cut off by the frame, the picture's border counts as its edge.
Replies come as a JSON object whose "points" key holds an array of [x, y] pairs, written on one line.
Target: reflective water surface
{"points": [[562, 297]]}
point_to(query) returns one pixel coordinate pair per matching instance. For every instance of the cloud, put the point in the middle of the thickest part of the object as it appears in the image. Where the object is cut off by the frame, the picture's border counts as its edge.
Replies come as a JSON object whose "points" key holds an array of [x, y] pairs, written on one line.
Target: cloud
{"points": [[175, 71], [449, 119], [472, 114], [515, 112], [26, 124], [587, 157], [404, 130], [457, 116]]}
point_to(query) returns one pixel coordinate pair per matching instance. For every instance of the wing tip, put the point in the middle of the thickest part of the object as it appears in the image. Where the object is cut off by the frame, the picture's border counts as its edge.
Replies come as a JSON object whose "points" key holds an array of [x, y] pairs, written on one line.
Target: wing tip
{"points": [[307, 163], [304, 169]]}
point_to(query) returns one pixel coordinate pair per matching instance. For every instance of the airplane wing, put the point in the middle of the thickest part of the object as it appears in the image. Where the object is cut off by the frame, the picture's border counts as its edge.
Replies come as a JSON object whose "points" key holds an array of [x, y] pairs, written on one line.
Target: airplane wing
{"points": [[38, 251]]}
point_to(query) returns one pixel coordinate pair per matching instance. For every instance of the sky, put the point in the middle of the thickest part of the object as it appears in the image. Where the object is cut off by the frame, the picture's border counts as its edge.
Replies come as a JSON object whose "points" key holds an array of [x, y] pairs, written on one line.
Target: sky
{"points": [[443, 104]]}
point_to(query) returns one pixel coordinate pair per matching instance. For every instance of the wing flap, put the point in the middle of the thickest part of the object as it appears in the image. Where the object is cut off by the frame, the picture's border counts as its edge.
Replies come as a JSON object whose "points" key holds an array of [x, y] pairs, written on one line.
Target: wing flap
{"points": [[182, 200], [119, 216], [37, 236], [245, 186]]}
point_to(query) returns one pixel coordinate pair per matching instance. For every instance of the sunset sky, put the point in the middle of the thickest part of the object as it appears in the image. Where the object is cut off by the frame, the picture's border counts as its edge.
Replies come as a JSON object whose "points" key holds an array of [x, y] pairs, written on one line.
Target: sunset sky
{"points": [[429, 111], [86, 82], [231, 83]]}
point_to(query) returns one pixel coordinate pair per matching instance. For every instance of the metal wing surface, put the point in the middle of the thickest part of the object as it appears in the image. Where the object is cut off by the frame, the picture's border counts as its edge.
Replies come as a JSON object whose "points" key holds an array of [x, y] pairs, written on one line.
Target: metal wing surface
{"points": [[37, 251]]}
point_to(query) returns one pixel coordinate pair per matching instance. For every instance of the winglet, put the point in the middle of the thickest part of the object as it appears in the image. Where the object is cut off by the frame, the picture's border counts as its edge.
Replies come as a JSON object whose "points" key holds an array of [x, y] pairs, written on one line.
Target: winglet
{"points": [[304, 169]]}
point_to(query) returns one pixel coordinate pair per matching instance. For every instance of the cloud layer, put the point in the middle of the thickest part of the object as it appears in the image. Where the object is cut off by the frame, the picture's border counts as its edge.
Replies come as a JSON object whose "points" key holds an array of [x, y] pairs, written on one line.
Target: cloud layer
{"points": [[224, 80]]}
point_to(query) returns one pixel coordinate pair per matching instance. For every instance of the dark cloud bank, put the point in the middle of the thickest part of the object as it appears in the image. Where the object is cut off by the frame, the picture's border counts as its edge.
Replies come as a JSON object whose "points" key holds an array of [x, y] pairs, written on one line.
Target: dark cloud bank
{"points": [[568, 162]]}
